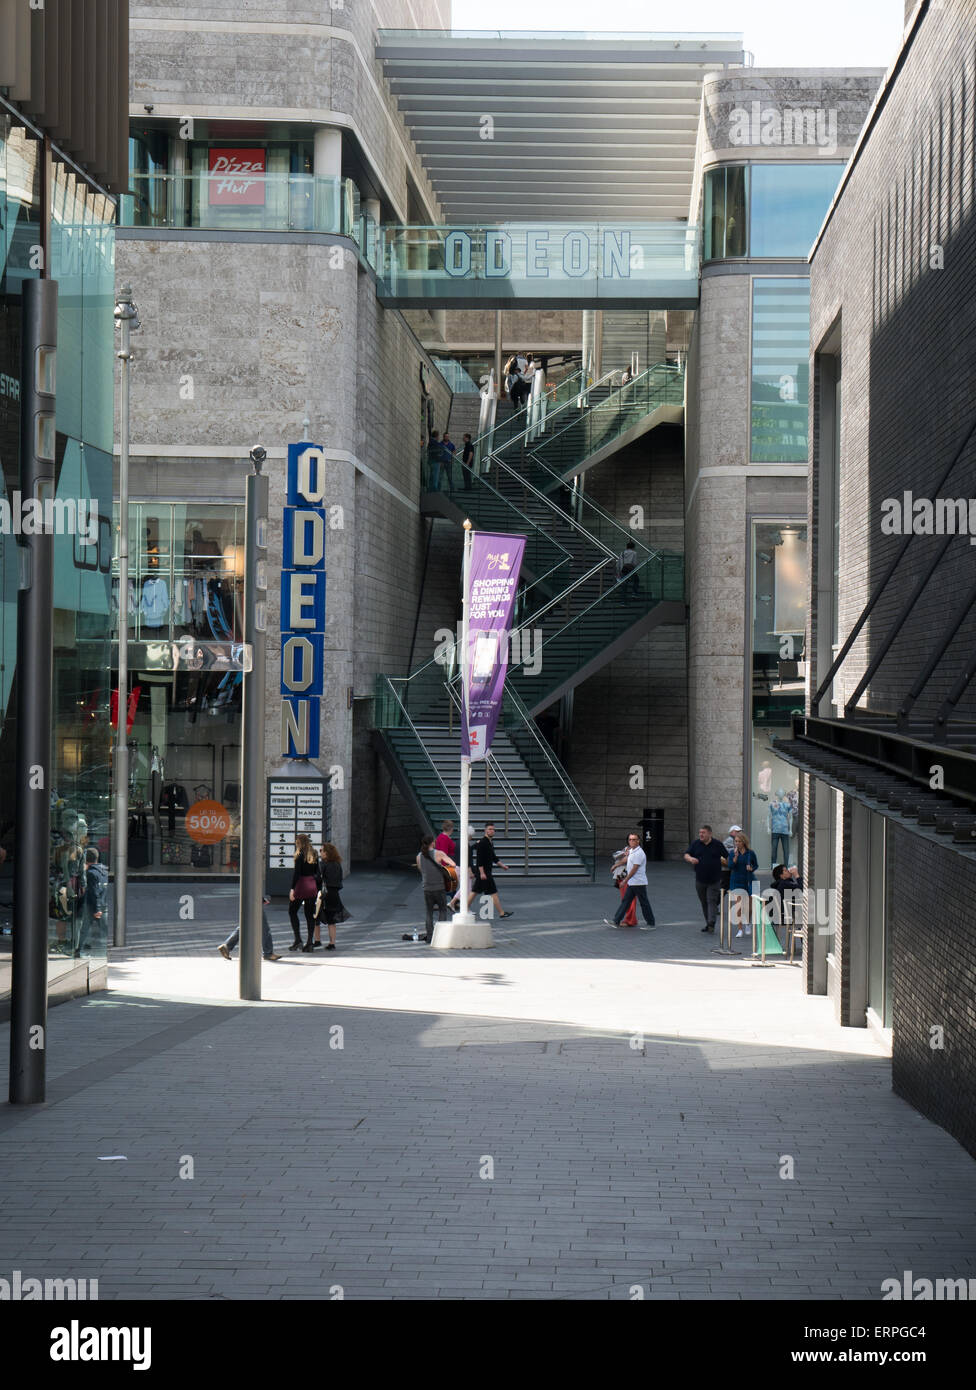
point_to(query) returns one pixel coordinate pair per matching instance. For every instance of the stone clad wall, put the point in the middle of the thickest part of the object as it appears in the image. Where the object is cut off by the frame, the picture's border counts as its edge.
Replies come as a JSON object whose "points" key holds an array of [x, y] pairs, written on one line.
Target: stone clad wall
{"points": [[266, 330], [286, 60]]}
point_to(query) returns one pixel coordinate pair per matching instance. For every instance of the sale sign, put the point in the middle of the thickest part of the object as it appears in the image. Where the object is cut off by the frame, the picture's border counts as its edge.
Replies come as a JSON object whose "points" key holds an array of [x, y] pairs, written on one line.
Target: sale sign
{"points": [[207, 822], [237, 177], [493, 583]]}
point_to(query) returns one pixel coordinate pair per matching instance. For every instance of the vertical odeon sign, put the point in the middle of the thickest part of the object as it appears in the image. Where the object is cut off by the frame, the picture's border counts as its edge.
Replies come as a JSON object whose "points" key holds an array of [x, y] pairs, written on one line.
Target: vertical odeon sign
{"points": [[303, 602]]}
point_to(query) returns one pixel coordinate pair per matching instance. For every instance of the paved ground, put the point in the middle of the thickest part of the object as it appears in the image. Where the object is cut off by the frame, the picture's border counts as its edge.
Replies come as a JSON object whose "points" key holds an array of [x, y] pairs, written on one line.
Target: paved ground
{"points": [[571, 1114]]}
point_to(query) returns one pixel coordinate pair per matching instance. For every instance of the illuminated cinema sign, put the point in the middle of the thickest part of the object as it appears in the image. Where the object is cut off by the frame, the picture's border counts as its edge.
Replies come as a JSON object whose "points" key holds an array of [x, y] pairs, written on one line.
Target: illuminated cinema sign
{"points": [[303, 602]]}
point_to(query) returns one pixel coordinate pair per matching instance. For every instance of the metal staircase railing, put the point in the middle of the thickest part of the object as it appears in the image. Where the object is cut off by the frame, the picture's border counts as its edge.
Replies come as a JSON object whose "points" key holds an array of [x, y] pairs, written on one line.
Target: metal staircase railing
{"points": [[585, 556]]}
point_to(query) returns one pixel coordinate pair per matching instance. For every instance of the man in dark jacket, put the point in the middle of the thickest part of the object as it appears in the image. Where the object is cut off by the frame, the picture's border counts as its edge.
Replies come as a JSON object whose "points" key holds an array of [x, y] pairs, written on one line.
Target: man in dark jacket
{"points": [[95, 905], [709, 859]]}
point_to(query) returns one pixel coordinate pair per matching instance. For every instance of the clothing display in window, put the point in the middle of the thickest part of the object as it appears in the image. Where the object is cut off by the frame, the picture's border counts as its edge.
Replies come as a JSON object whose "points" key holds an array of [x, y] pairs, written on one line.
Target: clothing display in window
{"points": [[182, 612], [133, 607], [173, 799], [155, 602]]}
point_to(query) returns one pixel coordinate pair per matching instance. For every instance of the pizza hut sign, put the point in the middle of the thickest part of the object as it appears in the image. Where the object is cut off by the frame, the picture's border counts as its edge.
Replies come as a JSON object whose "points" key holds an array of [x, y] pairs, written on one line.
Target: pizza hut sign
{"points": [[237, 177]]}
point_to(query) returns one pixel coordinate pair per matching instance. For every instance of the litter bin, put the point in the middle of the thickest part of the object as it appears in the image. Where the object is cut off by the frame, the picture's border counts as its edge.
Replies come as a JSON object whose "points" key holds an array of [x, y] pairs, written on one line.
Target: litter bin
{"points": [[652, 832]]}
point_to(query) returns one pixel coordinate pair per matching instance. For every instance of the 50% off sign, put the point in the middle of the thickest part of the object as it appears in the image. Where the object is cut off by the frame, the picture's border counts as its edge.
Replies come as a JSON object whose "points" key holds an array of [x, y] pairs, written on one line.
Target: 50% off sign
{"points": [[207, 822]]}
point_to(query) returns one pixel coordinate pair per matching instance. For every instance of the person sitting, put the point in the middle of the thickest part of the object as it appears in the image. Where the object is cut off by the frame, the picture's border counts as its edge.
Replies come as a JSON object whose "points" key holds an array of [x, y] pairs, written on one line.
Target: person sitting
{"points": [[786, 880]]}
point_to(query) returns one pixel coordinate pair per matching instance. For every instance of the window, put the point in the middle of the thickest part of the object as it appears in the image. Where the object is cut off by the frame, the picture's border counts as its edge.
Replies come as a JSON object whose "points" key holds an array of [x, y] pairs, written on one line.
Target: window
{"points": [[779, 612], [726, 212], [788, 205], [766, 209], [780, 370]]}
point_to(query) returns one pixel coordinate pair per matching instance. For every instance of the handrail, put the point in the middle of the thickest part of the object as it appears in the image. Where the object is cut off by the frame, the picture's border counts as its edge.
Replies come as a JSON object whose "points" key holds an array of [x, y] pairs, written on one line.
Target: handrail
{"points": [[530, 724], [414, 731], [496, 768], [572, 402], [523, 482], [663, 367], [637, 569], [482, 481]]}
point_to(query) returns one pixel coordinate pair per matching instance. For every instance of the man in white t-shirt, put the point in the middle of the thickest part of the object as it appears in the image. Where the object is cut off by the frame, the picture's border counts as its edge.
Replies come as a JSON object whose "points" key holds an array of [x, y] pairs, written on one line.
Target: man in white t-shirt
{"points": [[636, 882]]}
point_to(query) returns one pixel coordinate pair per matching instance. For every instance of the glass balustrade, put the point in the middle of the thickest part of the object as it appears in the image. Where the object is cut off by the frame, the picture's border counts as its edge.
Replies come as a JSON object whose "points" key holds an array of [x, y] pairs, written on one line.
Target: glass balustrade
{"points": [[549, 775], [596, 613], [571, 437], [546, 564], [231, 201]]}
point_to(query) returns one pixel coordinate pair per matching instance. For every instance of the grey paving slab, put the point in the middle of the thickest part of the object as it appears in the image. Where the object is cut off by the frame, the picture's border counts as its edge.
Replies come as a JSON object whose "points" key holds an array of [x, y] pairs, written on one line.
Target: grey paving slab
{"points": [[361, 1167]]}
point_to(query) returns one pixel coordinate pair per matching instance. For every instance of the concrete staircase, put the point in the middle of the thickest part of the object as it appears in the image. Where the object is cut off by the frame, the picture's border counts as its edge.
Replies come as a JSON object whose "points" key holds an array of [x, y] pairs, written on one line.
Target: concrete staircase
{"points": [[534, 843]]}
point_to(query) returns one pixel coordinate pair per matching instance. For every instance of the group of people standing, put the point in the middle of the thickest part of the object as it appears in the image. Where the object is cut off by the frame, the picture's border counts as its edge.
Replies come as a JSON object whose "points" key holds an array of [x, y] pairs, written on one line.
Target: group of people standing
{"points": [[315, 884], [441, 458], [732, 865], [78, 897]]}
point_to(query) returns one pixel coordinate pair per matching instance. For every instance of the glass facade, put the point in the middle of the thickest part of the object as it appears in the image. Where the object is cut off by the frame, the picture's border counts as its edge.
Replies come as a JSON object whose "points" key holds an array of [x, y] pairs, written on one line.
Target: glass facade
{"points": [[780, 369], [788, 204], [766, 209], [82, 262], [779, 609], [726, 212], [239, 182], [558, 261], [186, 568]]}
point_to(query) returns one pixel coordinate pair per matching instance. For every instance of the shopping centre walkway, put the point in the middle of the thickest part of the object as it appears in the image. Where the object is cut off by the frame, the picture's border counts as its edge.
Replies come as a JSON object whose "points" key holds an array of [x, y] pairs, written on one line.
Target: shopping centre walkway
{"points": [[570, 1115]]}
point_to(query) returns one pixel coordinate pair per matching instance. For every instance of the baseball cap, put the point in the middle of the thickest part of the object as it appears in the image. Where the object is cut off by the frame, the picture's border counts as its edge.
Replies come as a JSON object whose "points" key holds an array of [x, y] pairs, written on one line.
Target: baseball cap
{"points": [[734, 828]]}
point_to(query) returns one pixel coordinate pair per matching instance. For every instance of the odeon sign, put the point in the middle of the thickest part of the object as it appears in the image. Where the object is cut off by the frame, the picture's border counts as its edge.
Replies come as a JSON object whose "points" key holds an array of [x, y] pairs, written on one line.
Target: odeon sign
{"points": [[303, 602], [569, 253]]}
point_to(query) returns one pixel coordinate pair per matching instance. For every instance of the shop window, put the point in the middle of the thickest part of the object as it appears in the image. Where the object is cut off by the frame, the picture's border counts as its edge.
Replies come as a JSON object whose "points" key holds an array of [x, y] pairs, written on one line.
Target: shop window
{"points": [[779, 608], [187, 577]]}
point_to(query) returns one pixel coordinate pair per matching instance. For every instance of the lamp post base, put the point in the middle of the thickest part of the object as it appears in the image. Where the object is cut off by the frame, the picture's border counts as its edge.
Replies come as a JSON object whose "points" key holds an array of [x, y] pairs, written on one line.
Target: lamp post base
{"points": [[464, 932]]}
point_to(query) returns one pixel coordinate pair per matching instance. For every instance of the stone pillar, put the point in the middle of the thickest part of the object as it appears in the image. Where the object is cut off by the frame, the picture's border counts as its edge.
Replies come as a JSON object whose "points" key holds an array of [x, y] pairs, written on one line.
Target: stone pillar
{"points": [[327, 157], [593, 339]]}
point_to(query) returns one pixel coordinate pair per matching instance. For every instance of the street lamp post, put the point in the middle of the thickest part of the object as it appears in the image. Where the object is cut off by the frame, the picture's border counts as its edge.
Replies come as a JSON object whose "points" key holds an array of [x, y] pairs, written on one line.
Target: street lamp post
{"points": [[252, 741], [127, 318]]}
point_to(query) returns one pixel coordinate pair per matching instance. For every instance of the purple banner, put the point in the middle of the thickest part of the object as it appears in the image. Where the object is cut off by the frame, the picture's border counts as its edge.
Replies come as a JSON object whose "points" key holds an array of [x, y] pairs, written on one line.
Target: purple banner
{"points": [[494, 575]]}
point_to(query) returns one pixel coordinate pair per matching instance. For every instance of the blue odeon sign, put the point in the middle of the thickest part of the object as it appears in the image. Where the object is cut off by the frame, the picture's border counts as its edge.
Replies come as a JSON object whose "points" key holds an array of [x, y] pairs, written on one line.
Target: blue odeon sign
{"points": [[303, 602], [605, 252]]}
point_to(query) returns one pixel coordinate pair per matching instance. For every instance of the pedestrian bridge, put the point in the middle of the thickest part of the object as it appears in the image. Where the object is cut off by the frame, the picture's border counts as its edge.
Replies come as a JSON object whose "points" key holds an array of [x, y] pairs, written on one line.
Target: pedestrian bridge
{"points": [[569, 265]]}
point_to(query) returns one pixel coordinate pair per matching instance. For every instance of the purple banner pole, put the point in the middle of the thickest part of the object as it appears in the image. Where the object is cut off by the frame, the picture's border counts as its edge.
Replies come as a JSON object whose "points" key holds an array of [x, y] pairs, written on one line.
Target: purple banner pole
{"points": [[489, 600]]}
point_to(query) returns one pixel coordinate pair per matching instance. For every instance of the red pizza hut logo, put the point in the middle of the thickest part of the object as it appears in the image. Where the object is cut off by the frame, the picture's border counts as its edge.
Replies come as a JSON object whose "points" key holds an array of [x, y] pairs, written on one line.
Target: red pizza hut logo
{"points": [[237, 177]]}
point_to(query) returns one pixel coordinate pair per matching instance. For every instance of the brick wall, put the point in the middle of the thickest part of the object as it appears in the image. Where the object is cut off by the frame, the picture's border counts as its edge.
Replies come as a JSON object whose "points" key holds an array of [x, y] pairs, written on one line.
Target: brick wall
{"points": [[934, 982], [896, 266], [909, 352]]}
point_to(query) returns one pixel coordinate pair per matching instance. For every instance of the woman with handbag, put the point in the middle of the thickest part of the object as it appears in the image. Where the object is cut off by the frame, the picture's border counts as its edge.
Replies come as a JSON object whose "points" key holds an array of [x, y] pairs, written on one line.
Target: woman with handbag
{"points": [[305, 884], [330, 906]]}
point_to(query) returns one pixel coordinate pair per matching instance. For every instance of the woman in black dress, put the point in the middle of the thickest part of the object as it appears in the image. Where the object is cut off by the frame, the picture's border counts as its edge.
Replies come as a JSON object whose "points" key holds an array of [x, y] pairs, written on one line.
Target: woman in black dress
{"points": [[305, 884], [330, 870]]}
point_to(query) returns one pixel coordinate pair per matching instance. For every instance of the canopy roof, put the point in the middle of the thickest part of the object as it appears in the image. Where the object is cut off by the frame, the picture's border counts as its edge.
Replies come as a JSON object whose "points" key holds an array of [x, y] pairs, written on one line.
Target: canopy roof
{"points": [[542, 126]]}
